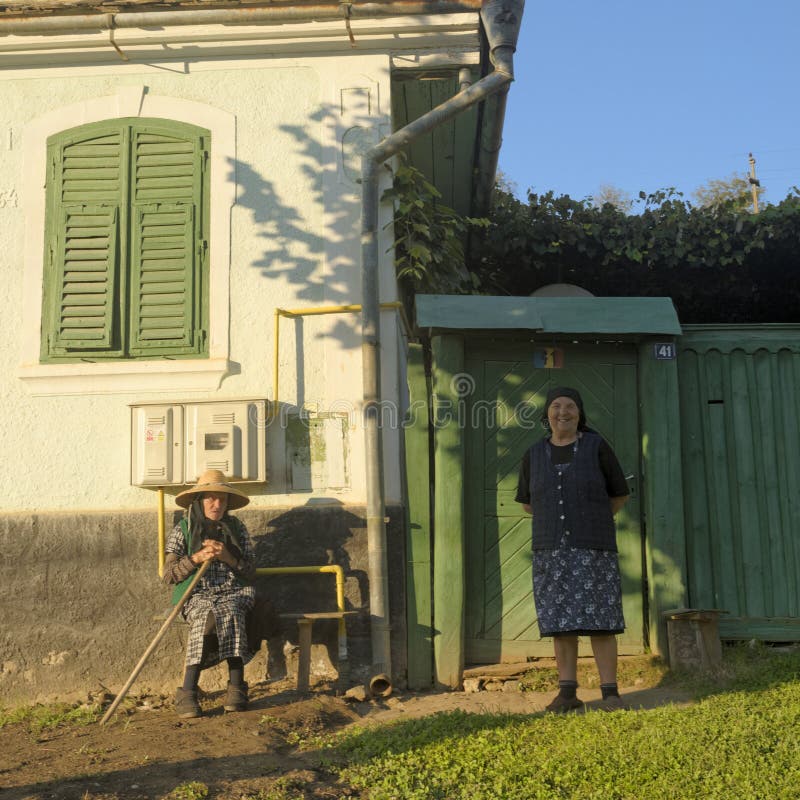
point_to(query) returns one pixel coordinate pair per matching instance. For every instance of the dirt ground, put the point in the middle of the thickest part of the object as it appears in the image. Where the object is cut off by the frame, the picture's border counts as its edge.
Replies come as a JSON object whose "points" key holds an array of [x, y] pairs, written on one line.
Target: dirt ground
{"points": [[144, 752]]}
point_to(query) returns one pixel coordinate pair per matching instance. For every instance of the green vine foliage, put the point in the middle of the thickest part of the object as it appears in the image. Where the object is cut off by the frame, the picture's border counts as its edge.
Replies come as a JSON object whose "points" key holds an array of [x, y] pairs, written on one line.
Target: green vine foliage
{"points": [[720, 264], [429, 236]]}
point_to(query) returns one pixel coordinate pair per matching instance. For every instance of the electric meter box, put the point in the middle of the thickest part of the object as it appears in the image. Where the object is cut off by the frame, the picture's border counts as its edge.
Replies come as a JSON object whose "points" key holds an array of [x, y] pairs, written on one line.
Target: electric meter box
{"points": [[173, 444], [228, 436], [157, 451]]}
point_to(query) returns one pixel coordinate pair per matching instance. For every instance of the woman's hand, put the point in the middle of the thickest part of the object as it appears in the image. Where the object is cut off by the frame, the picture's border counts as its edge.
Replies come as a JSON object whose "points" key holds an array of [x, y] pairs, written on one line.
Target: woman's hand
{"points": [[210, 551], [617, 503], [226, 556]]}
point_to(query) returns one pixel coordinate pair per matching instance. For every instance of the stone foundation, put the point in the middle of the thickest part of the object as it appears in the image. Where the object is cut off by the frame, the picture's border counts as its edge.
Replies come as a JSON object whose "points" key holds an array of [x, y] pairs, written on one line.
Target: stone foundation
{"points": [[81, 599]]}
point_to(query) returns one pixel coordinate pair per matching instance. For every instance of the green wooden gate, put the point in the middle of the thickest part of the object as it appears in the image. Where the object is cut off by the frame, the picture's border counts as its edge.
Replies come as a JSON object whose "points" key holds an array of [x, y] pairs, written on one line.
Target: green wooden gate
{"points": [[504, 394]]}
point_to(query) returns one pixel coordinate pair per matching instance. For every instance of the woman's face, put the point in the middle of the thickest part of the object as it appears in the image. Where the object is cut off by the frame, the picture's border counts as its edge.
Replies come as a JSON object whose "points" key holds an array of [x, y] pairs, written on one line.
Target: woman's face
{"points": [[214, 505], [564, 415]]}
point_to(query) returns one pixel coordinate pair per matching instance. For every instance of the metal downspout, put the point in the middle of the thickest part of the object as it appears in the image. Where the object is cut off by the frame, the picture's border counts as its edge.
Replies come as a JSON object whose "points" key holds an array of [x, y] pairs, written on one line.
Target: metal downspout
{"points": [[490, 151], [501, 20]]}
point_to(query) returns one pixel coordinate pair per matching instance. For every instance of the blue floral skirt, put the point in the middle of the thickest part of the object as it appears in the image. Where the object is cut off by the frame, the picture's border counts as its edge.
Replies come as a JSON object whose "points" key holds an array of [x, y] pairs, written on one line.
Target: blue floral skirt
{"points": [[577, 591]]}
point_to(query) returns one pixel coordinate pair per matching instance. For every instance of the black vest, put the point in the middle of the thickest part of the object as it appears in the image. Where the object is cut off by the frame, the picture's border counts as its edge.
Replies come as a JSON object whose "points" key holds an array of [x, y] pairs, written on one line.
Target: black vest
{"points": [[576, 503]]}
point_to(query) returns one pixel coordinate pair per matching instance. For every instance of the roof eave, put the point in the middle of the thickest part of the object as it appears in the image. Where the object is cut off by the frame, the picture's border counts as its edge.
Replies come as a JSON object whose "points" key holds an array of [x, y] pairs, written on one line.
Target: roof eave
{"points": [[621, 316]]}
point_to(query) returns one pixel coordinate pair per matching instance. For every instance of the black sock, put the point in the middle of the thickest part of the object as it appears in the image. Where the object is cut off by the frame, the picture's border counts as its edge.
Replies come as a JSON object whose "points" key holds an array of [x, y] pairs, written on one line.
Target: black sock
{"points": [[191, 677], [568, 689], [609, 690], [236, 670]]}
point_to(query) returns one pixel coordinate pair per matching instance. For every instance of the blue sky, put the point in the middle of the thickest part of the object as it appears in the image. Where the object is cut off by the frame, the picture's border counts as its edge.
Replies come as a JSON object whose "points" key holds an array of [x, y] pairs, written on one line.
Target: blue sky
{"points": [[645, 95]]}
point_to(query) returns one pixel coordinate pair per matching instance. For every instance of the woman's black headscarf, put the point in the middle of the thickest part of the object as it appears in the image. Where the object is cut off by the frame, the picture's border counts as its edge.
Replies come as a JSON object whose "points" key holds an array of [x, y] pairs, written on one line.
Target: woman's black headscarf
{"points": [[200, 528], [573, 394]]}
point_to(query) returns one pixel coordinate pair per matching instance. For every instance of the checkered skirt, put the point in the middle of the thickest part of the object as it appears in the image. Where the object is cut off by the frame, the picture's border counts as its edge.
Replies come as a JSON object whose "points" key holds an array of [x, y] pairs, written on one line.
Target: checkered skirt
{"points": [[220, 594]]}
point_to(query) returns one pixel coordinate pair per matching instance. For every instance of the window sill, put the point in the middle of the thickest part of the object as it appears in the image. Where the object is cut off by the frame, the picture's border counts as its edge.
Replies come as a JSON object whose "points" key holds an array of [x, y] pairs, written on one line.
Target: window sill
{"points": [[119, 377]]}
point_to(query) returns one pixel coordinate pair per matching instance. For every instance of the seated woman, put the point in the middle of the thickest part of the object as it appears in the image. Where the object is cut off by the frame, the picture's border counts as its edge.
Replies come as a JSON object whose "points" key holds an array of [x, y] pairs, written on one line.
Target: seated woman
{"points": [[217, 609]]}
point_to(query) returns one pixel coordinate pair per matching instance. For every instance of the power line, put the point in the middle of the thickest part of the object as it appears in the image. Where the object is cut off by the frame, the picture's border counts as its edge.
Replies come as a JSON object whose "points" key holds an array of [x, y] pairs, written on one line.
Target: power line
{"points": [[777, 150], [779, 170]]}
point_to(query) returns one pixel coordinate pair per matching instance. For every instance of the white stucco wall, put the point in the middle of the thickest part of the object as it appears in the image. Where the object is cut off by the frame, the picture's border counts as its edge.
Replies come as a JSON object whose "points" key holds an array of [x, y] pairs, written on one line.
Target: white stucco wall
{"points": [[293, 242]]}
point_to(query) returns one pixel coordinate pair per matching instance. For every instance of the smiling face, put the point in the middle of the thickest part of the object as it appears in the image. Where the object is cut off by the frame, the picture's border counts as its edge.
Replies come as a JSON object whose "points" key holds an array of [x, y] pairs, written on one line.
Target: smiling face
{"points": [[214, 505], [564, 415]]}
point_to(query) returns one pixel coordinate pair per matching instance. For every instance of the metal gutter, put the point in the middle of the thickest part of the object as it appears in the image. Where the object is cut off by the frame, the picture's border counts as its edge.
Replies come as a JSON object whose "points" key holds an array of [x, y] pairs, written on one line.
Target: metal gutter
{"points": [[501, 20], [103, 21]]}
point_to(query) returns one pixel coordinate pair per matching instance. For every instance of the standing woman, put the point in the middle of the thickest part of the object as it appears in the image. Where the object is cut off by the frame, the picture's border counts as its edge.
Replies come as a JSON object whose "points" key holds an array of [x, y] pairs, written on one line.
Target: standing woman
{"points": [[217, 609], [573, 485]]}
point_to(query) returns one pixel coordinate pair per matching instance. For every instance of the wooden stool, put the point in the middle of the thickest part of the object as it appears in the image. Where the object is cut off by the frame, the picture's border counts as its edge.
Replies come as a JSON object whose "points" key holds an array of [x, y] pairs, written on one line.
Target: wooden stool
{"points": [[305, 623], [693, 638]]}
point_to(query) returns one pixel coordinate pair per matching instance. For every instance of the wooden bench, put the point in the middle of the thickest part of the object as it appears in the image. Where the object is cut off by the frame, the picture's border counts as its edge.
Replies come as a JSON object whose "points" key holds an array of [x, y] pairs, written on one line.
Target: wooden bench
{"points": [[305, 623]]}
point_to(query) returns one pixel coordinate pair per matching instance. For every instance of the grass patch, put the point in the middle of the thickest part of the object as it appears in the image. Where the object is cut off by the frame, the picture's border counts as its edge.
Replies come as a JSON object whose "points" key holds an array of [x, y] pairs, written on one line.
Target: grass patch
{"points": [[283, 789], [39, 718], [745, 667], [188, 791], [739, 740], [639, 671]]}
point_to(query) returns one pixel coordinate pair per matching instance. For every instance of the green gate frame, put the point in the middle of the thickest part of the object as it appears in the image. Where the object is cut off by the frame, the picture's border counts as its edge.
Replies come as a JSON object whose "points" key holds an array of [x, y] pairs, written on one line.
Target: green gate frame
{"points": [[436, 520]]}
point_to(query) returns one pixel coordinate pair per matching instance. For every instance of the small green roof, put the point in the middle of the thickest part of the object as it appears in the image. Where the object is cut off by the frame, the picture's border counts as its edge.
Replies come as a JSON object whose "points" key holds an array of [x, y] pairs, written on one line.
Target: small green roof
{"points": [[622, 315]]}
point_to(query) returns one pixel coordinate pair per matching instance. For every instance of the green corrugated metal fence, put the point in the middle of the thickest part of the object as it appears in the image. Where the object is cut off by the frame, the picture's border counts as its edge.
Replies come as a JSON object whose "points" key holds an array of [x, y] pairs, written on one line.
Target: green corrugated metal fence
{"points": [[740, 430]]}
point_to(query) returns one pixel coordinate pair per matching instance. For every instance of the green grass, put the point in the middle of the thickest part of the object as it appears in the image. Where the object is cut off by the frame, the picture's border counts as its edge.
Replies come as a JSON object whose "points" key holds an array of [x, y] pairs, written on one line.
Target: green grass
{"points": [[39, 718], [642, 670], [740, 740], [283, 789], [188, 791]]}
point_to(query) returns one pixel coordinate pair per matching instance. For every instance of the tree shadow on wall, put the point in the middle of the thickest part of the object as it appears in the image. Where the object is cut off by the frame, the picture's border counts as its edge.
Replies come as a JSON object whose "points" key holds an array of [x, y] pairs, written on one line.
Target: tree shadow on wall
{"points": [[303, 238], [311, 240]]}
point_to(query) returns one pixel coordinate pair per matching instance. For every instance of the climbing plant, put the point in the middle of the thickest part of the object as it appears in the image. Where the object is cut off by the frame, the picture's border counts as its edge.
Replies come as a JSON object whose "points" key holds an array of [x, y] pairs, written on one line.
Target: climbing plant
{"points": [[429, 237], [718, 264]]}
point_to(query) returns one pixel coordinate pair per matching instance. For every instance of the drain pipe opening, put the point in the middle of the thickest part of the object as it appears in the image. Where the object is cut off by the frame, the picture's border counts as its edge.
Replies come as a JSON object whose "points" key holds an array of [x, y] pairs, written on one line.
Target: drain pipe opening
{"points": [[380, 685]]}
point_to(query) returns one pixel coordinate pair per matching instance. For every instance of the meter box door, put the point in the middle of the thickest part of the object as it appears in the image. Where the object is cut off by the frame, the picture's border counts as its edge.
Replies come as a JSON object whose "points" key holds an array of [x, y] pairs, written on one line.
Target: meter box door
{"points": [[228, 436], [157, 445]]}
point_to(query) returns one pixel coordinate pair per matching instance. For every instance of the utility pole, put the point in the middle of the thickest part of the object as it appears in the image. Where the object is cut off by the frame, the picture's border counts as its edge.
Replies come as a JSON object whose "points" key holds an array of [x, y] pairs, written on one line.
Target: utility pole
{"points": [[754, 183]]}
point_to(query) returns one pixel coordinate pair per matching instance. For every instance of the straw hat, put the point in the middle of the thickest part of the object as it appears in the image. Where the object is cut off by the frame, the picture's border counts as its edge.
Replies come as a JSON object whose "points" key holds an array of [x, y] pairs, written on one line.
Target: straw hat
{"points": [[213, 480]]}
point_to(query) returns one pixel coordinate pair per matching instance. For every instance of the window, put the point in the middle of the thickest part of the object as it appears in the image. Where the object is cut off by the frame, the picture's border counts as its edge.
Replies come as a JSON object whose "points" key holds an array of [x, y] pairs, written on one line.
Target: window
{"points": [[126, 242]]}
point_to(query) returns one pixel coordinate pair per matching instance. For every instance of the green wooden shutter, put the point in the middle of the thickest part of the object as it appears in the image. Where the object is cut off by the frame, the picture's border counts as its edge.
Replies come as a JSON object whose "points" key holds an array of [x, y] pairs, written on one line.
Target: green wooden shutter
{"points": [[162, 283], [166, 240], [126, 241], [85, 186], [86, 279]]}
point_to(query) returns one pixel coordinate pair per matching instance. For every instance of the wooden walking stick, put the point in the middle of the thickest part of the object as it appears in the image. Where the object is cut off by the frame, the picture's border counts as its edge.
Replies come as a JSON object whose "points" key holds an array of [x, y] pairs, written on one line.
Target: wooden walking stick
{"points": [[152, 646]]}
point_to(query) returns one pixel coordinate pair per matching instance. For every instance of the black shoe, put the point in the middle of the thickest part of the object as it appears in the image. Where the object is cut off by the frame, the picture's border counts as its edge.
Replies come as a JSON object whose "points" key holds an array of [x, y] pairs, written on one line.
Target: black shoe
{"points": [[563, 705], [613, 703], [186, 705], [236, 697]]}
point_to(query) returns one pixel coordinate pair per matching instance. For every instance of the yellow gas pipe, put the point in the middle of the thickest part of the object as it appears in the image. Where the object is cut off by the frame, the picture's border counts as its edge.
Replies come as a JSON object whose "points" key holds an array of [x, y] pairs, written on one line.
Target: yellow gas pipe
{"points": [[337, 571], [313, 311], [162, 536], [328, 568], [339, 574]]}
